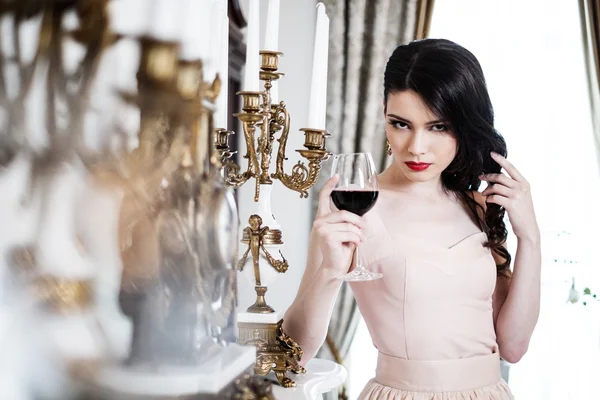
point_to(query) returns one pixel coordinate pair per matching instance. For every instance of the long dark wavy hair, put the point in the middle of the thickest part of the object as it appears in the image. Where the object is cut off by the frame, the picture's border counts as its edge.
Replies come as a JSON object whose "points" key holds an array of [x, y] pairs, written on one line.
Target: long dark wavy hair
{"points": [[450, 81]]}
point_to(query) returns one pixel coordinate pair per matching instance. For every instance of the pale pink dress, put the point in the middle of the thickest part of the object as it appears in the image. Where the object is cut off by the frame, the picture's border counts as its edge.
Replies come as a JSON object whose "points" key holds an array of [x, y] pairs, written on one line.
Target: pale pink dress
{"points": [[430, 317]]}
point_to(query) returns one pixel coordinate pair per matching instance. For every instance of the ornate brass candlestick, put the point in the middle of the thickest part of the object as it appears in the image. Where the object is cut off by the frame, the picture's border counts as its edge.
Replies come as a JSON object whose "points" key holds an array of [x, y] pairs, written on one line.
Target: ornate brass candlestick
{"points": [[181, 190], [178, 239], [262, 260], [60, 281]]}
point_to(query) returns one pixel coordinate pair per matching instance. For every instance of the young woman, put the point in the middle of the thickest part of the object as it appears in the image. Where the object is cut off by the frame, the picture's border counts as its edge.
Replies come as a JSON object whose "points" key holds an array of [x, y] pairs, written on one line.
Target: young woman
{"points": [[448, 306]]}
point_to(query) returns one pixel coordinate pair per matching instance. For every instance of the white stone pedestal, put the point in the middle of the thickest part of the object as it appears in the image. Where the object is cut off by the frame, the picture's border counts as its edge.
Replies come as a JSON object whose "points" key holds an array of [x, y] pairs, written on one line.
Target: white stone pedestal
{"points": [[208, 378], [272, 318], [322, 376]]}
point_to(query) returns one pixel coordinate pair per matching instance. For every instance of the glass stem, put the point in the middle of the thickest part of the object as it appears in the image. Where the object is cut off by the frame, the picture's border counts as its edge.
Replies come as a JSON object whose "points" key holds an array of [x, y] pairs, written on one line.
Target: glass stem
{"points": [[359, 265]]}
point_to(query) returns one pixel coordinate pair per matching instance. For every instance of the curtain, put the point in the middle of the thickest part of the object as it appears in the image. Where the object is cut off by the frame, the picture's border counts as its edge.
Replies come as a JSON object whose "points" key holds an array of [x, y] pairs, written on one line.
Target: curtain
{"points": [[590, 23], [363, 35]]}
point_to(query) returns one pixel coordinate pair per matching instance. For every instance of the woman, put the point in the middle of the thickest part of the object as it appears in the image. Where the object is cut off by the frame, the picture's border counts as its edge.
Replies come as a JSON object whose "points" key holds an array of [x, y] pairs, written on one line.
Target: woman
{"points": [[448, 306]]}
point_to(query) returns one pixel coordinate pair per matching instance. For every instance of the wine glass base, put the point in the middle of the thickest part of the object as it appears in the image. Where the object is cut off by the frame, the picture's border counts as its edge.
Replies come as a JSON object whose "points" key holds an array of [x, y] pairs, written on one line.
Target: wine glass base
{"points": [[361, 276]]}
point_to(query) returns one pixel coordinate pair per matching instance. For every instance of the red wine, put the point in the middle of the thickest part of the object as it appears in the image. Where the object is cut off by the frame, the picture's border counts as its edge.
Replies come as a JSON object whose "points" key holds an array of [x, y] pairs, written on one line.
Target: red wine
{"points": [[355, 201]]}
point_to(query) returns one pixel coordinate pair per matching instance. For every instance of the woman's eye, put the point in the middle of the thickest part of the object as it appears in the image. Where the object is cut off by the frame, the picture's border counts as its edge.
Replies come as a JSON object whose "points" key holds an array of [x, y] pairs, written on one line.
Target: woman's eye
{"points": [[439, 127], [399, 124]]}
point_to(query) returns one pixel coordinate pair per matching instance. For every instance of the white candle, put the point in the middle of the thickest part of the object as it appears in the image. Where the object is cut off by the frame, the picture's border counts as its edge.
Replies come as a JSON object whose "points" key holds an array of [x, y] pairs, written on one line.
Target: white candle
{"points": [[196, 34], [318, 89], [164, 19], [218, 13], [252, 51], [272, 32], [57, 251], [324, 69], [222, 114]]}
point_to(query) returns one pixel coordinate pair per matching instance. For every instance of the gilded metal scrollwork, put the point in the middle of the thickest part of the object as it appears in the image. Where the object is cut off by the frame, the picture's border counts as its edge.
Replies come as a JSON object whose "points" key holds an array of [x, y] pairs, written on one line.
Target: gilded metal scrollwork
{"points": [[252, 388], [256, 233], [294, 351], [276, 351], [250, 117], [271, 119], [302, 177], [62, 295], [257, 236]]}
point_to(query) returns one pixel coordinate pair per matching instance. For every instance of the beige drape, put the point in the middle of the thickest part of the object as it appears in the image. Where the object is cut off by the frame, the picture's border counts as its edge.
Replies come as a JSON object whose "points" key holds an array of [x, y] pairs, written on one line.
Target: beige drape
{"points": [[590, 22], [363, 35]]}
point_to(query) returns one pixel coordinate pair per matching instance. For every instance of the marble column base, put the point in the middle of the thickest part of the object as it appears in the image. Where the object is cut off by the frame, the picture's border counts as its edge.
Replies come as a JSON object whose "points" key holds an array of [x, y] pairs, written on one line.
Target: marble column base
{"points": [[322, 376]]}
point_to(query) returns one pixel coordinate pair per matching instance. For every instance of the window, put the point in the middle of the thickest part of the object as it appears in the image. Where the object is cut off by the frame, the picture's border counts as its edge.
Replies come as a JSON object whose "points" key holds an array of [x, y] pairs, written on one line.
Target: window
{"points": [[531, 53]]}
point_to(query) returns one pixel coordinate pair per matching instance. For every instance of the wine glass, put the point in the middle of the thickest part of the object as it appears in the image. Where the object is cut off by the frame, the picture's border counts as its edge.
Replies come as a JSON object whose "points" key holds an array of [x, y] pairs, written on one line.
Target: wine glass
{"points": [[356, 191]]}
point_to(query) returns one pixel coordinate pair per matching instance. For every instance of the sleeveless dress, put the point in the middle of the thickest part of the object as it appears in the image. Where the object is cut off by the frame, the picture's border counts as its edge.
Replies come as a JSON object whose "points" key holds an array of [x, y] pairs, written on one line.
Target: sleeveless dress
{"points": [[430, 317]]}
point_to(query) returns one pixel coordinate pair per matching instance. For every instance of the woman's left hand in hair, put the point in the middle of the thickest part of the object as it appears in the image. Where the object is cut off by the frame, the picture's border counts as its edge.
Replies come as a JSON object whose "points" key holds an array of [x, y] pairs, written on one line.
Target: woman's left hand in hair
{"points": [[511, 191]]}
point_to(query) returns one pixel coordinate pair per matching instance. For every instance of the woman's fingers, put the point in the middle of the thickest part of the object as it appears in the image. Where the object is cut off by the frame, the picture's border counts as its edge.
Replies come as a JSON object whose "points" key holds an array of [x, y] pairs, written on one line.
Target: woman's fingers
{"points": [[344, 216], [342, 227], [498, 178], [508, 167], [497, 189], [336, 238], [324, 207]]}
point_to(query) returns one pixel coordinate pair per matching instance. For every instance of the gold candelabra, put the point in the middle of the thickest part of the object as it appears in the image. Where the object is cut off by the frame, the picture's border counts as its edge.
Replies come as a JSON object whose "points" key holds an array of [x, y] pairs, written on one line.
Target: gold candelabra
{"points": [[259, 114], [263, 122]]}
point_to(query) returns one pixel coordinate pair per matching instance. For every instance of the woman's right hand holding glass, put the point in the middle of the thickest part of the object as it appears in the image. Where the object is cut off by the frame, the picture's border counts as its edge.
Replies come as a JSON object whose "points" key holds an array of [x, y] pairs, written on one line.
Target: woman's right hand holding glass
{"points": [[337, 233]]}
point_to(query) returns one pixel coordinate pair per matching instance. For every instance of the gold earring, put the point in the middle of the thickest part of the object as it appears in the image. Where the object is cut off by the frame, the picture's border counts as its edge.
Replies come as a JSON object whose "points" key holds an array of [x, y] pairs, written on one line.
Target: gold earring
{"points": [[388, 147]]}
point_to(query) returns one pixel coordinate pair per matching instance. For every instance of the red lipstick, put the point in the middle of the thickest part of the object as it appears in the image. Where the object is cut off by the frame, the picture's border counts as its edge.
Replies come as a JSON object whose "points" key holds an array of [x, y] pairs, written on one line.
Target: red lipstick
{"points": [[417, 166]]}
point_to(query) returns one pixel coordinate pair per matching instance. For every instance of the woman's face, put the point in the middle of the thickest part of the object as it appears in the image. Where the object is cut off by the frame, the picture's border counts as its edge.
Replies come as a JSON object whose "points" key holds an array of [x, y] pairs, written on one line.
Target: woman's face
{"points": [[422, 145]]}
